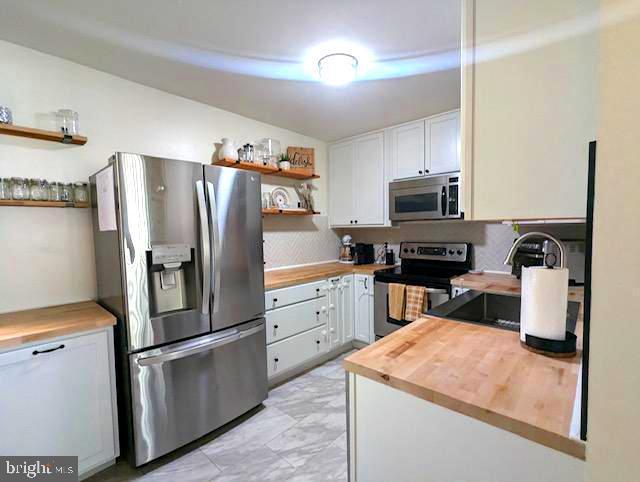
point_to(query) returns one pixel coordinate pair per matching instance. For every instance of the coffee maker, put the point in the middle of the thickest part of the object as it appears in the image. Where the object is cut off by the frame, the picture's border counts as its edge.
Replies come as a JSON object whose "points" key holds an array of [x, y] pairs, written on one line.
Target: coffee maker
{"points": [[346, 250]]}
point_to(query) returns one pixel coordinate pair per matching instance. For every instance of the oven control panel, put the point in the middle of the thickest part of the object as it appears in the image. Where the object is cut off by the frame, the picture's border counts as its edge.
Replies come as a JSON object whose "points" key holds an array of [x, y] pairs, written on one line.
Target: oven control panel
{"points": [[434, 251]]}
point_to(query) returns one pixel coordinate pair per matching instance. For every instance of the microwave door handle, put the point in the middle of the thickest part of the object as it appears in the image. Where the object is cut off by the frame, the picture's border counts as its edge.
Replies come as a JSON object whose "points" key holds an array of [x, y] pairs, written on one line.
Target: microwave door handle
{"points": [[215, 243], [206, 247], [443, 200]]}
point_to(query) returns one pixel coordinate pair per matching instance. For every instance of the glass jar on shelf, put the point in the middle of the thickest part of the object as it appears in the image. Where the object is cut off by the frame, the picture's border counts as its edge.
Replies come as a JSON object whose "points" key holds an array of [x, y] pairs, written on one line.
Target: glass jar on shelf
{"points": [[19, 189], [66, 192], [39, 190], [55, 191], [80, 192], [5, 188]]}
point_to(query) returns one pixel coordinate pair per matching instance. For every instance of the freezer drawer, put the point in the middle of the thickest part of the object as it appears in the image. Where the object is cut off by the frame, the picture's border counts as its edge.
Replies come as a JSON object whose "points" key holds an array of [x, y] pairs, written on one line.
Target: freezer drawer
{"points": [[185, 390]]}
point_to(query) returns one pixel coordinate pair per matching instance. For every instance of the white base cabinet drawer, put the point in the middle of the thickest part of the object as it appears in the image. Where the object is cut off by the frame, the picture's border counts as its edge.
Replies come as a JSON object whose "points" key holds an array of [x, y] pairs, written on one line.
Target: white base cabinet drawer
{"points": [[293, 319], [293, 294], [286, 354]]}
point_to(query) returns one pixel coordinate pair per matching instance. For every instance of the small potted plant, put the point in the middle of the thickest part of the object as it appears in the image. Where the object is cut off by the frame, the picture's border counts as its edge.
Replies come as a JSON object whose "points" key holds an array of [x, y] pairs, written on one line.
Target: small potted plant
{"points": [[284, 162]]}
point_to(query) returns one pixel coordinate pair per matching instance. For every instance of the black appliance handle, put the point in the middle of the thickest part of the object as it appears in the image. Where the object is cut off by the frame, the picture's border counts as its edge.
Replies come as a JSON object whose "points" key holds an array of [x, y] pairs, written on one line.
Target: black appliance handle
{"points": [[443, 200]]}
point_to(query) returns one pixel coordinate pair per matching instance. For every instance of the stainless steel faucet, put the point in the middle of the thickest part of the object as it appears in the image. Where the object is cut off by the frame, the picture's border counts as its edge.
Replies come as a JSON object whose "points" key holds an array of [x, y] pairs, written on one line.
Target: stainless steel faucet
{"points": [[536, 234]]}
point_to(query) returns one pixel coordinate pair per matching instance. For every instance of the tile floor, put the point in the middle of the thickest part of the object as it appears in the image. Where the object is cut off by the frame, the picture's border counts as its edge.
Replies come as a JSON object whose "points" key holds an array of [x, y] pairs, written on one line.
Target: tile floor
{"points": [[298, 435]]}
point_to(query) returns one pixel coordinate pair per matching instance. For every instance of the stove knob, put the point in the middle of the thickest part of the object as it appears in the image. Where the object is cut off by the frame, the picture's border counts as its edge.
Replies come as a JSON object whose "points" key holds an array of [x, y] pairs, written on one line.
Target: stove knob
{"points": [[451, 252], [406, 250], [413, 250], [459, 252]]}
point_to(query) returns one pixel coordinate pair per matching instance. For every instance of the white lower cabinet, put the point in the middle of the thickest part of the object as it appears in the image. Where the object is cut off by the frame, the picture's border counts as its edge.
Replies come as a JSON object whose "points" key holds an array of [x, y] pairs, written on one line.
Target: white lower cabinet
{"points": [[363, 316], [317, 318], [335, 335], [286, 354], [58, 398], [346, 303]]}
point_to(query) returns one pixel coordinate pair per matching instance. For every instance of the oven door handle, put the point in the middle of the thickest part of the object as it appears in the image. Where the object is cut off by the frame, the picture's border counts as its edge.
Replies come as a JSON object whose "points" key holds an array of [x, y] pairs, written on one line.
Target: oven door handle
{"points": [[443, 201], [436, 290]]}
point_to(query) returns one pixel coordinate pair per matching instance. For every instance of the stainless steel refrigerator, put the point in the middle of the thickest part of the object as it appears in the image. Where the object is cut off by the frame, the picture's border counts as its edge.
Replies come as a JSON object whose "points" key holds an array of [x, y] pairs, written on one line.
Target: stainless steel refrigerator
{"points": [[179, 261]]}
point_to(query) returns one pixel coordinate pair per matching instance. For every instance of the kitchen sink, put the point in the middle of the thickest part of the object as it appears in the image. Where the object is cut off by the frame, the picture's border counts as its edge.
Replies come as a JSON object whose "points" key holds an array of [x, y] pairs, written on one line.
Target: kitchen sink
{"points": [[499, 311]]}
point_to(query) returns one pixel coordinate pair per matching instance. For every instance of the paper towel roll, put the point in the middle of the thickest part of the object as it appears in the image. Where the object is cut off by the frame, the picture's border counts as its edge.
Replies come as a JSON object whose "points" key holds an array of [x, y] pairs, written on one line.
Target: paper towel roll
{"points": [[543, 311]]}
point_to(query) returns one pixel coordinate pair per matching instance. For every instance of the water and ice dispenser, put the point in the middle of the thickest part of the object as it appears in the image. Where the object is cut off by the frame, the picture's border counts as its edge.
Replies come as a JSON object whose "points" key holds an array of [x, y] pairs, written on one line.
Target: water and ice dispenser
{"points": [[172, 278]]}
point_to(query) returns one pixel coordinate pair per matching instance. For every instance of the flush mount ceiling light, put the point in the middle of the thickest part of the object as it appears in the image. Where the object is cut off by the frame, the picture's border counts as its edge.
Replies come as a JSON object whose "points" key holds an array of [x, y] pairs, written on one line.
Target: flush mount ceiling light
{"points": [[338, 68]]}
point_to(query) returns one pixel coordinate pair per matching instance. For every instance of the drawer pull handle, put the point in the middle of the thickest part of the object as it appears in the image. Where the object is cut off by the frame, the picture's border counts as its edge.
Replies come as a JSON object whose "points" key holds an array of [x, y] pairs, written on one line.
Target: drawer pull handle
{"points": [[276, 360], [317, 313], [275, 300], [318, 342], [39, 352]]}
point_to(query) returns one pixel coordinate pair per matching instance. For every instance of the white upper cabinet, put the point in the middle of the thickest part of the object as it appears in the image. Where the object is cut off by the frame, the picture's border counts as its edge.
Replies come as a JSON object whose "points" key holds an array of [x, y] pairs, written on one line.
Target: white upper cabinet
{"points": [[528, 113], [443, 143], [341, 161], [368, 179], [426, 147], [357, 188], [408, 150]]}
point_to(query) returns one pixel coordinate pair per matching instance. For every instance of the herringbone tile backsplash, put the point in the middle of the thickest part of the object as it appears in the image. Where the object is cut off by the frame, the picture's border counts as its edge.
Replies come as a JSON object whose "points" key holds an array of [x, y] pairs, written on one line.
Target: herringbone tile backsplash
{"points": [[303, 240], [298, 240]]}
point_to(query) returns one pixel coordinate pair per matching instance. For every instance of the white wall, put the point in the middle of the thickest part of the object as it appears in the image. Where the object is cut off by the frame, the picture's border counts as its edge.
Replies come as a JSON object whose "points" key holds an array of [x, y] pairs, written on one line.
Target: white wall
{"points": [[613, 437], [47, 254]]}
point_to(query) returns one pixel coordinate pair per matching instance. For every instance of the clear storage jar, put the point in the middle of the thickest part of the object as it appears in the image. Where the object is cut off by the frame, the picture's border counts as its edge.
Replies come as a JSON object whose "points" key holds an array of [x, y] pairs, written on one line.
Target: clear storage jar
{"points": [[55, 191], [5, 188], [66, 192], [80, 192], [39, 190], [19, 189]]}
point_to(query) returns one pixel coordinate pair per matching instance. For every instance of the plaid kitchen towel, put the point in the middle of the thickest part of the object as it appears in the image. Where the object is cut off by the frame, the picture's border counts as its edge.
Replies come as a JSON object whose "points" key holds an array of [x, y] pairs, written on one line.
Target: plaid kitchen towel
{"points": [[396, 301], [415, 301]]}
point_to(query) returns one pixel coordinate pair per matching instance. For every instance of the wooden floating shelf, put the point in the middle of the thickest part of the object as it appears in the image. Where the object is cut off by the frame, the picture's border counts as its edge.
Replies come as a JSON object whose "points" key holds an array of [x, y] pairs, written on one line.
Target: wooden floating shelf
{"points": [[268, 170], [288, 212], [43, 204], [54, 136]]}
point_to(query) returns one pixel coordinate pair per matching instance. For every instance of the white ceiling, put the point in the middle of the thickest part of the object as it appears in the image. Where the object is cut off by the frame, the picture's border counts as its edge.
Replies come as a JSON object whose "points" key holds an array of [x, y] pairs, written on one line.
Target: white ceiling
{"points": [[254, 57]]}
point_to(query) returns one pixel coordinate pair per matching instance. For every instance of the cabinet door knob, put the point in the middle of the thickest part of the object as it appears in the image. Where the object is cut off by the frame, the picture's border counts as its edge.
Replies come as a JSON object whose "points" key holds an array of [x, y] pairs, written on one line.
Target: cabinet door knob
{"points": [[276, 360], [356, 221], [426, 171], [419, 172], [275, 327], [318, 342], [275, 300], [317, 312], [351, 221]]}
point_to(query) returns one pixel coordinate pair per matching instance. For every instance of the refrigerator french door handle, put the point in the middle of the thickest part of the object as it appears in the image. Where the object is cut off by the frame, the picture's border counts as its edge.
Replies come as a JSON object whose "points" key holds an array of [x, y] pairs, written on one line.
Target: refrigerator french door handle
{"points": [[215, 234], [206, 247]]}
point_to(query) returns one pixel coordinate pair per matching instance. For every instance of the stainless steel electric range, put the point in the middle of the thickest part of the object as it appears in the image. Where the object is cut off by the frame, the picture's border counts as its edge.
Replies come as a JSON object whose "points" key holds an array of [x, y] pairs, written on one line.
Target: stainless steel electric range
{"points": [[431, 265]]}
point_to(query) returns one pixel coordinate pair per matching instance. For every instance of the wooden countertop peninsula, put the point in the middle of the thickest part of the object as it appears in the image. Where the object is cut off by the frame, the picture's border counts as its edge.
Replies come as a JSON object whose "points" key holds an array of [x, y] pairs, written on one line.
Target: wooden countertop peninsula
{"points": [[21, 327], [481, 372], [281, 278]]}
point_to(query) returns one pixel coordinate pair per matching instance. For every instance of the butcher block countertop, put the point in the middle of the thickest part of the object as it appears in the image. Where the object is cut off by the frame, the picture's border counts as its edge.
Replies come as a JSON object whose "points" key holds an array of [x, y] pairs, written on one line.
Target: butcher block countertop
{"points": [[281, 278], [481, 372], [28, 326]]}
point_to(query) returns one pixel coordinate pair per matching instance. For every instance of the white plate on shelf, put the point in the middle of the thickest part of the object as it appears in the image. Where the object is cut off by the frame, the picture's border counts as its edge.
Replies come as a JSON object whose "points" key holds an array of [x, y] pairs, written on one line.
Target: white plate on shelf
{"points": [[280, 198]]}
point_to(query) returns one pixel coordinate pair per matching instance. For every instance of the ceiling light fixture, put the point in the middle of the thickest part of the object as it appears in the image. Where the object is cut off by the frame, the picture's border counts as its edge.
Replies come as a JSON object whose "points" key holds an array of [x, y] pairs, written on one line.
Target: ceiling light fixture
{"points": [[338, 68]]}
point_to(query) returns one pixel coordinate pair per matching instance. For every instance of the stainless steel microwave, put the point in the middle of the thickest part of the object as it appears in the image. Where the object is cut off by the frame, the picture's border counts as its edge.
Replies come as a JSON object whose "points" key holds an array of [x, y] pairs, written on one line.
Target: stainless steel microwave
{"points": [[436, 197]]}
